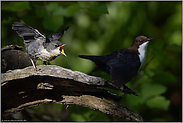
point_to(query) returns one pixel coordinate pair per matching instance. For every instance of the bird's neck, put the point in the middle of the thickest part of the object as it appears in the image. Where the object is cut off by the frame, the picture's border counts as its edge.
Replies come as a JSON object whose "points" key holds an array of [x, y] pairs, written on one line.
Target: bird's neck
{"points": [[133, 49], [140, 51]]}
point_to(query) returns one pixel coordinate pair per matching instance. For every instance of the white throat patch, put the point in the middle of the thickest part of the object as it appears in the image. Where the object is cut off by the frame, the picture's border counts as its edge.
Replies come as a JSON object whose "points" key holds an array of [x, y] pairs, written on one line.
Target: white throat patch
{"points": [[142, 51]]}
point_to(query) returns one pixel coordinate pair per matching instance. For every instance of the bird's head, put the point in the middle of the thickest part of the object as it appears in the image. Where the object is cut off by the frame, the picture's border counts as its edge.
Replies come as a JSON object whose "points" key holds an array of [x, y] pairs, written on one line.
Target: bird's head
{"points": [[141, 40], [55, 48]]}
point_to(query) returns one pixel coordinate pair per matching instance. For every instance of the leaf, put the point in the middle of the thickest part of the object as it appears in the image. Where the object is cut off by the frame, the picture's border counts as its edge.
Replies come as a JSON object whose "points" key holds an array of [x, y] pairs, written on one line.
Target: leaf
{"points": [[130, 100], [174, 47], [97, 9], [15, 6], [40, 12], [100, 117], [53, 23], [82, 3], [85, 111], [159, 102], [152, 89], [76, 117], [60, 11], [73, 9], [164, 77], [52, 6], [55, 10]]}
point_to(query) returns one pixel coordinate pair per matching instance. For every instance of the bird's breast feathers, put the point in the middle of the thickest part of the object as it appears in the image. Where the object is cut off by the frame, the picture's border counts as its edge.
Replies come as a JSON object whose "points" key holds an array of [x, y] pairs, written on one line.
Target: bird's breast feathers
{"points": [[142, 51], [44, 55]]}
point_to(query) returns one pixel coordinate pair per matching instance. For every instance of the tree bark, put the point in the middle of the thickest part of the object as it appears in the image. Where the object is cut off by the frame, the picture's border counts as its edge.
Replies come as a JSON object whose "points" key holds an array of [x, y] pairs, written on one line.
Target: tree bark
{"points": [[22, 88]]}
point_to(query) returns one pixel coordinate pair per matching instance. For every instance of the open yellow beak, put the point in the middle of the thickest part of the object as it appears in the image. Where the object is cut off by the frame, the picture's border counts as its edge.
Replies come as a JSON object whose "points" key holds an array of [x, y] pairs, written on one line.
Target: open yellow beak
{"points": [[62, 50]]}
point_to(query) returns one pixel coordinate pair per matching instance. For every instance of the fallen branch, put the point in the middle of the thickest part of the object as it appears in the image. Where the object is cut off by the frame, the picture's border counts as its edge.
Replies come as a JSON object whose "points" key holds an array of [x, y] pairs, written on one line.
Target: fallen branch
{"points": [[22, 88]]}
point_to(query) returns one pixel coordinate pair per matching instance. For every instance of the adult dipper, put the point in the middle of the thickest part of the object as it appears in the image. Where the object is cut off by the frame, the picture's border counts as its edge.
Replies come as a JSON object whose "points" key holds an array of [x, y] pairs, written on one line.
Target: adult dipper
{"points": [[122, 65], [37, 45]]}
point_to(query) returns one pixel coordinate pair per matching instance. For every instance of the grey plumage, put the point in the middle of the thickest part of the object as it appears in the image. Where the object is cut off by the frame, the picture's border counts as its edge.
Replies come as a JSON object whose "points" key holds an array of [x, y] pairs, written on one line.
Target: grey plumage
{"points": [[37, 44], [57, 36]]}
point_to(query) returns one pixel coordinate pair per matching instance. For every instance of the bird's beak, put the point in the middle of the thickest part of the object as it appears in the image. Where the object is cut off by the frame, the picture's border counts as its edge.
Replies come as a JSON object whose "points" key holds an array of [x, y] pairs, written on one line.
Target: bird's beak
{"points": [[62, 50], [149, 39]]}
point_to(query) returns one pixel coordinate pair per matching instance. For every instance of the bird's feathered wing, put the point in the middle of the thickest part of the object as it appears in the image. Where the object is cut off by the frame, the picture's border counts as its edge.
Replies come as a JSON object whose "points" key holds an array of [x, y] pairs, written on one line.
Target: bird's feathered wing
{"points": [[123, 68], [27, 33], [121, 65], [57, 36]]}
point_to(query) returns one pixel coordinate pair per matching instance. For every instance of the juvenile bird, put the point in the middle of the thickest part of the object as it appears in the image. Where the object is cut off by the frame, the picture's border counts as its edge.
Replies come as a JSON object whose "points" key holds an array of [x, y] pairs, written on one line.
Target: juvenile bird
{"points": [[122, 65], [37, 45]]}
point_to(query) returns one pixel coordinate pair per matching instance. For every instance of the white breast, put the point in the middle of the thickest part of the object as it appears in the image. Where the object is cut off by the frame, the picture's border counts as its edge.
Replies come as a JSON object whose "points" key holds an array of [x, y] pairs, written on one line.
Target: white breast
{"points": [[44, 55], [142, 51]]}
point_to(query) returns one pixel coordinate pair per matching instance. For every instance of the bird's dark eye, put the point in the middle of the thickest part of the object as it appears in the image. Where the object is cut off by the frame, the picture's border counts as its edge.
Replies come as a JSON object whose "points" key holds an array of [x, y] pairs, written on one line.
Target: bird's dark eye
{"points": [[56, 45]]}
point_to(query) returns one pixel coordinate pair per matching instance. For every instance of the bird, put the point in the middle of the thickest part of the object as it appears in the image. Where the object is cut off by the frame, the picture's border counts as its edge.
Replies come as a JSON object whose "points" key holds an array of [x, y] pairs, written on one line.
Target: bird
{"points": [[37, 45], [122, 65]]}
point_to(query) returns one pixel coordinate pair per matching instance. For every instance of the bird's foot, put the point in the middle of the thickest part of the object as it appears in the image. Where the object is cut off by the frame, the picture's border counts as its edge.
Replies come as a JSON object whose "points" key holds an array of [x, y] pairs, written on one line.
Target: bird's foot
{"points": [[127, 90], [37, 69]]}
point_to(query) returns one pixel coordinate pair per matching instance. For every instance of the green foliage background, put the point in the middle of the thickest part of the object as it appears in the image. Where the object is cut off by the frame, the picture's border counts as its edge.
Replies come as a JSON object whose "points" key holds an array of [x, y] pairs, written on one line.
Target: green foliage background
{"points": [[99, 28]]}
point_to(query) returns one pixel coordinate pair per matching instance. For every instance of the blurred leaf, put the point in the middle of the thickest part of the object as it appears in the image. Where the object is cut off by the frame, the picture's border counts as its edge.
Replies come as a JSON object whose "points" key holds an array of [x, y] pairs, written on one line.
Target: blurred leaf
{"points": [[98, 9], [152, 89], [15, 6], [159, 102], [159, 44], [130, 100], [35, 108], [51, 6], [80, 113], [149, 72], [164, 77], [145, 78], [76, 117], [176, 38], [174, 47], [101, 117], [88, 114], [54, 9], [73, 9], [82, 3], [41, 12], [60, 11], [53, 23]]}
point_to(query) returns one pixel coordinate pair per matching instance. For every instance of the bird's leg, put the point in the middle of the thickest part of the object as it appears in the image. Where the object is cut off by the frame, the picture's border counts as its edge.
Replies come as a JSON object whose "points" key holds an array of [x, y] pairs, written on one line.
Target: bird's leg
{"points": [[34, 65], [44, 62]]}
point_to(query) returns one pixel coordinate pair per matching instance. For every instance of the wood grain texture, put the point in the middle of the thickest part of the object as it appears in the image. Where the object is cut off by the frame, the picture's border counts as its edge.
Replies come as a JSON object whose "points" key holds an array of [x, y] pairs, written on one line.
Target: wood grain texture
{"points": [[22, 88]]}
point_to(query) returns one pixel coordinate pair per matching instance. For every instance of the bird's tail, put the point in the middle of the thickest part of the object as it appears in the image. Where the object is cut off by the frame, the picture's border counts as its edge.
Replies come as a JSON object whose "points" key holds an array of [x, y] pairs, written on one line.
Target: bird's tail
{"points": [[92, 58], [95, 59], [100, 61], [57, 36]]}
